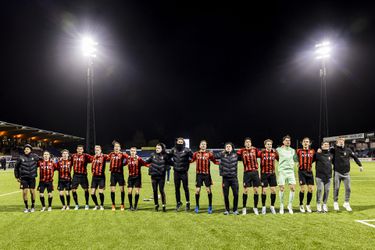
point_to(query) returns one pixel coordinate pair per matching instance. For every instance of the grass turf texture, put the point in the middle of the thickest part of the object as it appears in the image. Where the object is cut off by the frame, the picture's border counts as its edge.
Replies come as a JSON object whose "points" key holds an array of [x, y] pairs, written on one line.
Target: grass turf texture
{"points": [[186, 230]]}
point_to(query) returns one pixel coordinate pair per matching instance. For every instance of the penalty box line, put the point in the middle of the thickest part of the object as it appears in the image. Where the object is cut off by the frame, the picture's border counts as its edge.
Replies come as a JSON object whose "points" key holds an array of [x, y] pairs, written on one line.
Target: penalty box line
{"points": [[365, 222]]}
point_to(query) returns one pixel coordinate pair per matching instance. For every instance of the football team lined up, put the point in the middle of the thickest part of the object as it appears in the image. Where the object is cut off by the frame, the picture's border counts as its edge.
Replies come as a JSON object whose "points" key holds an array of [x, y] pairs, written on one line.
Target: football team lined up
{"points": [[180, 157]]}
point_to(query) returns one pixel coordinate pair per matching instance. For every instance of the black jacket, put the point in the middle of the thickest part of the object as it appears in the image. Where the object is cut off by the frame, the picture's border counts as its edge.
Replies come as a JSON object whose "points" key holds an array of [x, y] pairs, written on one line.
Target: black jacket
{"points": [[228, 163], [27, 166], [159, 164], [341, 159], [323, 165], [181, 158]]}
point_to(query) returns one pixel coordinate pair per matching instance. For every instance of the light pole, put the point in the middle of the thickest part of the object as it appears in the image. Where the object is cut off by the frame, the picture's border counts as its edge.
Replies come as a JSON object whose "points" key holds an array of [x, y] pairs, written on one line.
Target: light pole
{"points": [[89, 51], [322, 52]]}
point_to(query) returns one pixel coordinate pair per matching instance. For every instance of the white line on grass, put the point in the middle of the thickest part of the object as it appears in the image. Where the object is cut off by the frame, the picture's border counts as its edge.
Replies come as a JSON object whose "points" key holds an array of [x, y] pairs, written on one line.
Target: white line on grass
{"points": [[365, 222], [10, 193]]}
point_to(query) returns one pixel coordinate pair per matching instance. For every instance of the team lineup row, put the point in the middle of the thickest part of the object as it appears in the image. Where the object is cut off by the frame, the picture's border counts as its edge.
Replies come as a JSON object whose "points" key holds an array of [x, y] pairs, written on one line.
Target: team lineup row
{"points": [[180, 157]]}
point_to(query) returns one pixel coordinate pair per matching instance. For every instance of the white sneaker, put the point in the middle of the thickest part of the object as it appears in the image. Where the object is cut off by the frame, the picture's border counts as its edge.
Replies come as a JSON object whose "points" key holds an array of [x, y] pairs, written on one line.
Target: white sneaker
{"points": [[32, 210], [346, 205], [43, 209], [325, 208], [301, 208], [308, 208], [255, 211], [319, 207], [336, 206], [87, 207], [244, 211], [281, 209], [63, 208], [290, 208], [49, 209], [101, 208], [95, 208], [67, 208], [264, 210], [76, 207], [26, 210], [272, 208]]}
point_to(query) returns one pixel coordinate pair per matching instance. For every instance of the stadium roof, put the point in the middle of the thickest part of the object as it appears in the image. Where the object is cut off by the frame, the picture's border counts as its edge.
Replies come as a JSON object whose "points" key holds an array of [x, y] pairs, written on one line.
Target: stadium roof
{"points": [[12, 130]]}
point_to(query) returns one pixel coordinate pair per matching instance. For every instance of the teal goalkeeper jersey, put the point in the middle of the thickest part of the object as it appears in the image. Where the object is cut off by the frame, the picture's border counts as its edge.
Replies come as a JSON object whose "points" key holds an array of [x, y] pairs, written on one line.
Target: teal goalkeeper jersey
{"points": [[287, 157]]}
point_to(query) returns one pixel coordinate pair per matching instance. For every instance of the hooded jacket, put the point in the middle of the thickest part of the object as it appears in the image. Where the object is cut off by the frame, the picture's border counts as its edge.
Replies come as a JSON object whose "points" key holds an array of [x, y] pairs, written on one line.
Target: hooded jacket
{"points": [[228, 163], [27, 166], [181, 156], [159, 163], [323, 165]]}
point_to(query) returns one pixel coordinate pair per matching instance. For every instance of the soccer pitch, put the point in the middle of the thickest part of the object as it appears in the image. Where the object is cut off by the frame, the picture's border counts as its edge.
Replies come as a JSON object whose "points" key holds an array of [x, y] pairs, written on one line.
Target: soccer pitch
{"points": [[147, 229]]}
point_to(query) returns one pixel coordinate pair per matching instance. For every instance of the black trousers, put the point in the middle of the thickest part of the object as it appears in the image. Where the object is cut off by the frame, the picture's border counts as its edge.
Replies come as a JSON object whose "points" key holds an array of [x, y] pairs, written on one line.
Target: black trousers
{"points": [[178, 178], [233, 184], [158, 182]]}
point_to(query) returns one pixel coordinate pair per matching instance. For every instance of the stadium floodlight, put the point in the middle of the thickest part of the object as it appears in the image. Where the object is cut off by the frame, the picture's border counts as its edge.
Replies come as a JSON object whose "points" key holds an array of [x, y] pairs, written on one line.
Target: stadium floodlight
{"points": [[322, 53], [89, 46], [323, 50], [89, 51]]}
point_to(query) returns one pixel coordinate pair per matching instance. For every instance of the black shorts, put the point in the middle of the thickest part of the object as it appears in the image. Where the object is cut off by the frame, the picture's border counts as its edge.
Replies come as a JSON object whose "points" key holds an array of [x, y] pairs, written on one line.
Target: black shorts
{"points": [[27, 183], [203, 178], [45, 185], [269, 180], [64, 185], [305, 178], [98, 182], [80, 179], [117, 178], [251, 179], [135, 181]]}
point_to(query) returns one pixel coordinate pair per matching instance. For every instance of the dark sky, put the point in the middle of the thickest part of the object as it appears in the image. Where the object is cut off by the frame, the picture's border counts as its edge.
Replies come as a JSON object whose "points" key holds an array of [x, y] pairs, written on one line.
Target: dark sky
{"points": [[184, 68]]}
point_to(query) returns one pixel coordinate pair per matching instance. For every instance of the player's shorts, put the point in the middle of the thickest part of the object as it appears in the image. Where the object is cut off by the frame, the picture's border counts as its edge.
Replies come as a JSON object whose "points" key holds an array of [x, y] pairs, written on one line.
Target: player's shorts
{"points": [[64, 185], [45, 185], [27, 183], [201, 179], [305, 178], [135, 181], [80, 179], [286, 177], [117, 178], [98, 182], [251, 179], [268, 180]]}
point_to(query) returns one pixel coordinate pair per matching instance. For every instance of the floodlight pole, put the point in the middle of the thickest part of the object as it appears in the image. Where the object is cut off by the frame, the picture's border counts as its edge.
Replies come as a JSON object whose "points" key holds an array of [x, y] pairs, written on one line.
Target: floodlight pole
{"points": [[323, 118], [90, 119]]}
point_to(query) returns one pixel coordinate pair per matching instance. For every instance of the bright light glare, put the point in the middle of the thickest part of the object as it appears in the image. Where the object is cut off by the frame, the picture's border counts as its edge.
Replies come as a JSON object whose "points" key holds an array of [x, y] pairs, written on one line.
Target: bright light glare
{"points": [[323, 50], [89, 47]]}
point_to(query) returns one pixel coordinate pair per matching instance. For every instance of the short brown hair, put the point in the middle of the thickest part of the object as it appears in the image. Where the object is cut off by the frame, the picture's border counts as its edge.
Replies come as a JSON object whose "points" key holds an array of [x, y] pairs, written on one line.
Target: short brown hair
{"points": [[65, 150], [267, 140], [287, 137], [79, 146]]}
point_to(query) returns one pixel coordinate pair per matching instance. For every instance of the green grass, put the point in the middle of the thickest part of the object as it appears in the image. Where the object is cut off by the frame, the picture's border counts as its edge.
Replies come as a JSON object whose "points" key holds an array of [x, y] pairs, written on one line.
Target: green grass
{"points": [[148, 229]]}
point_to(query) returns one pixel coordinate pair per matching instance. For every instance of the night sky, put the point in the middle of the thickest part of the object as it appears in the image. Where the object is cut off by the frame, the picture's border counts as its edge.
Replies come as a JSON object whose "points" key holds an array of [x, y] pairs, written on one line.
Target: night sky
{"points": [[210, 71]]}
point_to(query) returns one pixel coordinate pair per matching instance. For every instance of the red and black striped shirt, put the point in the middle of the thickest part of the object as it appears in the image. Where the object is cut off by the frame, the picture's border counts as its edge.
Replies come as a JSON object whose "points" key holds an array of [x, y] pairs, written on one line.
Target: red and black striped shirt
{"points": [[249, 158], [116, 164], [306, 157], [80, 163], [98, 165], [46, 170], [203, 160], [135, 164], [267, 161], [65, 168]]}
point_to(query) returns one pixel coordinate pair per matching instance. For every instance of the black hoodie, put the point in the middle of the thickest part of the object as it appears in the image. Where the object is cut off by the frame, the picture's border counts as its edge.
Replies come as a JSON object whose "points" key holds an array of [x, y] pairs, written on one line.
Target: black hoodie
{"points": [[341, 159], [323, 165]]}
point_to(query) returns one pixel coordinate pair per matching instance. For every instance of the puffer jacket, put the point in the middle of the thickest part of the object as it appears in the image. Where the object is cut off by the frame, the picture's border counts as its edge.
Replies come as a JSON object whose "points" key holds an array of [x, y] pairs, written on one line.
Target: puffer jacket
{"points": [[159, 164], [27, 166]]}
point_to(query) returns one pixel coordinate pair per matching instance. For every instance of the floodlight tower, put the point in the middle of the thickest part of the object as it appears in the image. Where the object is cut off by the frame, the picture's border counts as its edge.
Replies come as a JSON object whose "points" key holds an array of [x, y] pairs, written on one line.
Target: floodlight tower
{"points": [[323, 53], [89, 51]]}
